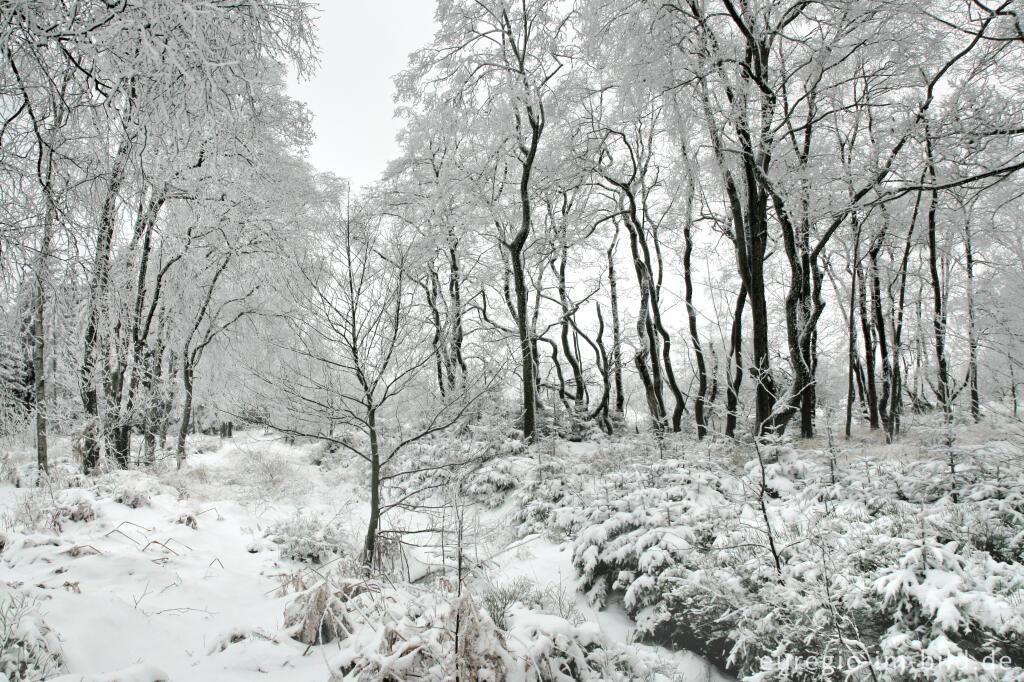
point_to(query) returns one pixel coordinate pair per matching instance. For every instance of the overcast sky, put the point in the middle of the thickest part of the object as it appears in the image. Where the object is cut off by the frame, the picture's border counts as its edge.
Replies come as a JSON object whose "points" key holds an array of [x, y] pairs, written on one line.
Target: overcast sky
{"points": [[362, 45]]}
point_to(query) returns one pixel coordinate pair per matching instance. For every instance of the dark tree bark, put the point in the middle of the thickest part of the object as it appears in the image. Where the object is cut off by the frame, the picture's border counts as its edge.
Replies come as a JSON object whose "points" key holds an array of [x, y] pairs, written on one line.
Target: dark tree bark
{"points": [[620, 398], [442, 363], [893, 415], [851, 322], [691, 314], [373, 524], [601, 412], [735, 381], [455, 295], [867, 327], [516, 249], [97, 291], [972, 333], [879, 322], [186, 411], [942, 390], [39, 374], [567, 335]]}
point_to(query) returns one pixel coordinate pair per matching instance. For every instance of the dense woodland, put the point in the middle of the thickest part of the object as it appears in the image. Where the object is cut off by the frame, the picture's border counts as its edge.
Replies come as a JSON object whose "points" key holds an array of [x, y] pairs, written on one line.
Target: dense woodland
{"points": [[750, 223]]}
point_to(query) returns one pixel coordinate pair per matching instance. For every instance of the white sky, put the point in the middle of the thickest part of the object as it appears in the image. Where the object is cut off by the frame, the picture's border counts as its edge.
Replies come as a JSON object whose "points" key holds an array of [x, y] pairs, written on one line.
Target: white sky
{"points": [[362, 45]]}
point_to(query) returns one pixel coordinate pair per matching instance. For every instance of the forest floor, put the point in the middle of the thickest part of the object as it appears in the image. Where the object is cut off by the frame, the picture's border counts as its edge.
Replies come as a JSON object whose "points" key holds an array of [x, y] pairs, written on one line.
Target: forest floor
{"points": [[139, 576], [243, 564]]}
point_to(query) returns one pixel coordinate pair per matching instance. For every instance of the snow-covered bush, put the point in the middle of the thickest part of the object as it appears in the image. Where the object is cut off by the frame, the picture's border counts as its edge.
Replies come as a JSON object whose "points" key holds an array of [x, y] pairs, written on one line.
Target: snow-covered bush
{"points": [[269, 470], [404, 634], [9, 470], [499, 600], [310, 540], [236, 635], [551, 648], [77, 505], [490, 484], [36, 509], [29, 650], [131, 496], [632, 538], [324, 613], [883, 574], [549, 501], [412, 635]]}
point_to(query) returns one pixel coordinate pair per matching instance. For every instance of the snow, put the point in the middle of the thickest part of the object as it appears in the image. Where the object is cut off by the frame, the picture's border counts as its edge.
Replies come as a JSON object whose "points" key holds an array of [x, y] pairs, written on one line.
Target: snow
{"points": [[216, 571], [549, 565], [147, 597], [177, 581]]}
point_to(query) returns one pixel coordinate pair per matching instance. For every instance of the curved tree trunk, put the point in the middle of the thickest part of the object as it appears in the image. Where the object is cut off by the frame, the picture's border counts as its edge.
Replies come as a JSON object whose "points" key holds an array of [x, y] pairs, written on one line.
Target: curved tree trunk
{"points": [[735, 381], [691, 314]]}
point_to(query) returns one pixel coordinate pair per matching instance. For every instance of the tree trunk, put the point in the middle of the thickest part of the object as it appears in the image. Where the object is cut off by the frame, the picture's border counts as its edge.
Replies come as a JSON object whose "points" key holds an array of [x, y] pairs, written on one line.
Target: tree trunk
{"points": [[113, 389], [442, 364], [735, 381], [603, 365], [867, 326], [1013, 384], [765, 386], [939, 310], [892, 425], [39, 368], [455, 294], [571, 355], [691, 314], [526, 346], [151, 383], [370, 544], [516, 248], [879, 324], [186, 412], [620, 398], [972, 332], [97, 290], [647, 360], [851, 323]]}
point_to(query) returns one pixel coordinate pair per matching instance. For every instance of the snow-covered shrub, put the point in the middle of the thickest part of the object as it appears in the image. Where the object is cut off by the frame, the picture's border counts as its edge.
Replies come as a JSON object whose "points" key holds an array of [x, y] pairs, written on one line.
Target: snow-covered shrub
{"points": [[548, 648], [549, 501], [631, 539], [480, 650], [413, 635], [269, 470], [558, 601], [951, 610], [499, 600], [236, 635], [323, 612], [36, 510], [310, 540], [77, 505], [9, 470], [29, 650], [491, 483], [133, 497], [403, 634], [884, 574]]}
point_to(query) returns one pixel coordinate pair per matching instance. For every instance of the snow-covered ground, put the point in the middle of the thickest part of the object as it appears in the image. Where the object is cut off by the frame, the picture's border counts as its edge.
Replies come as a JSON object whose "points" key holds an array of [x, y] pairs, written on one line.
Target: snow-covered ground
{"points": [[172, 576], [782, 563]]}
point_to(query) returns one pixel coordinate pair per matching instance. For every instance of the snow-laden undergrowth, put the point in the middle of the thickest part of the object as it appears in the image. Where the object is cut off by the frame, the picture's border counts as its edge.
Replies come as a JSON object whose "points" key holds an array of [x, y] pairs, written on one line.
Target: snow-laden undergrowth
{"points": [[243, 566], [814, 566], [778, 563]]}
